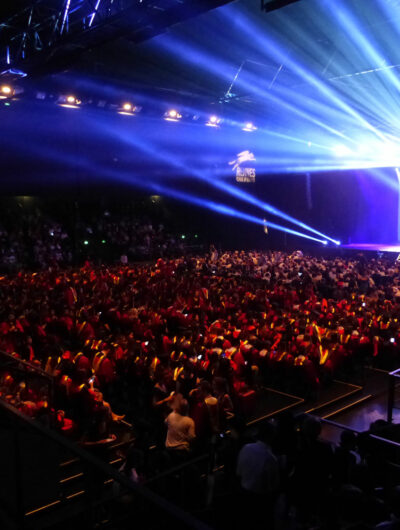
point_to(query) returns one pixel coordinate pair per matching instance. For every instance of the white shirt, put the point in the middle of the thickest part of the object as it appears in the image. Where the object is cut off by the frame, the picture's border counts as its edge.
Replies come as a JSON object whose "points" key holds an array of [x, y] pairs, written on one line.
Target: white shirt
{"points": [[258, 468], [180, 431]]}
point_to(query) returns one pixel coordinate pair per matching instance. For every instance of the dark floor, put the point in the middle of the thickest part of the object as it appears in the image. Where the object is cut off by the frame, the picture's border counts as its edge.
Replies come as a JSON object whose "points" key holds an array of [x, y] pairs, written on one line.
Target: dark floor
{"points": [[271, 401], [354, 404], [360, 415], [360, 418]]}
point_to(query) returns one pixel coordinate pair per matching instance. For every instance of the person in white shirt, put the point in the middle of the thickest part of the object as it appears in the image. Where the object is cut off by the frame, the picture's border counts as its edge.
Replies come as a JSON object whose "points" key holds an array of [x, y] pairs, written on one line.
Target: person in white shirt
{"points": [[257, 466], [180, 426], [258, 470]]}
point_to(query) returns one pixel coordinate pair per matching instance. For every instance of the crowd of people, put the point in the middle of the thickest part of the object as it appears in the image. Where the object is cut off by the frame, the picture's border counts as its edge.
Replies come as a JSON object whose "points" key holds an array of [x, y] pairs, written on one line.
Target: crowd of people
{"points": [[134, 236], [289, 477], [180, 347], [33, 239], [202, 328]]}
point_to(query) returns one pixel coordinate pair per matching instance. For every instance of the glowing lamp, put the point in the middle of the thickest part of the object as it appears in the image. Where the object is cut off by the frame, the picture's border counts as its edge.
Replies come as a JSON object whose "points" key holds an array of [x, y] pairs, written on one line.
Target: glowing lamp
{"points": [[70, 102], [213, 121], [128, 109], [172, 115], [341, 150], [6, 91], [249, 127]]}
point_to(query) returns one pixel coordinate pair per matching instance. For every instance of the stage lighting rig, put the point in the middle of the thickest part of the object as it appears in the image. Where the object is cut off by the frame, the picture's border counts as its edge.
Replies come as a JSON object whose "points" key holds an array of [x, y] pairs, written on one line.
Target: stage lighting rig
{"points": [[69, 102], [6, 91], [213, 121], [47, 36], [249, 127], [342, 150], [172, 115], [272, 5], [128, 109]]}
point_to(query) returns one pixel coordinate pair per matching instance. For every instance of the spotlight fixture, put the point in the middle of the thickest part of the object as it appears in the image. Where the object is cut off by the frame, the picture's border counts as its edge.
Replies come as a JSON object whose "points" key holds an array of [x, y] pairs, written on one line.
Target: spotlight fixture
{"points": [[172, 115], [213, 121], [127, 109], [341, 150], [70, 102], [6, 91], [249, 127]]}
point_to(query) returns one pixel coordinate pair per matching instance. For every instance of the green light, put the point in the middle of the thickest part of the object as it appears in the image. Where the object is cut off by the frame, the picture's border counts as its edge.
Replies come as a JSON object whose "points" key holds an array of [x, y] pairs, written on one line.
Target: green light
{"points": [[86, 242], [183, 236], [103, 241], [7, 104], [196, 236]]}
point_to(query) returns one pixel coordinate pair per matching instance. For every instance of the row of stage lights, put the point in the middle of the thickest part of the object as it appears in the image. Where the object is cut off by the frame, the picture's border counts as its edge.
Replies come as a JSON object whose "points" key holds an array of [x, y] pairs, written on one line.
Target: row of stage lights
{"points": [[212, 121], [127, 109]]}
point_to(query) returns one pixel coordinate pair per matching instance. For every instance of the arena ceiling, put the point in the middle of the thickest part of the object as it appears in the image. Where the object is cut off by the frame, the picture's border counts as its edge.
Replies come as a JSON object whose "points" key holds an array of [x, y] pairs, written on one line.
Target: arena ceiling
{"points": [[305, 26], [316, 73]]}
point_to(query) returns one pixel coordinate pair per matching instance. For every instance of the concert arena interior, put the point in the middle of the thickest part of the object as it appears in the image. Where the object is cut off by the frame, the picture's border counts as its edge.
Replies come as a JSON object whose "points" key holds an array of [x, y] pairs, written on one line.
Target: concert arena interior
{"points": [[200, 264]]}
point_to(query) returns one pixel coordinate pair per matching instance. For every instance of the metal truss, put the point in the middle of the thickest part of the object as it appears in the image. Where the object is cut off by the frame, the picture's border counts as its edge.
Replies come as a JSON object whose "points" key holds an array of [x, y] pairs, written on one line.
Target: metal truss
{"points": [[48, 34], [271, 5]]}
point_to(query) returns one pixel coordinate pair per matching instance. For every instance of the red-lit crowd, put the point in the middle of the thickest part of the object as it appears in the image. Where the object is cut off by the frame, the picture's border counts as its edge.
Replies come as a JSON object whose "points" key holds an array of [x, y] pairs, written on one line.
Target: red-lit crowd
{"points": [[194, 337]]}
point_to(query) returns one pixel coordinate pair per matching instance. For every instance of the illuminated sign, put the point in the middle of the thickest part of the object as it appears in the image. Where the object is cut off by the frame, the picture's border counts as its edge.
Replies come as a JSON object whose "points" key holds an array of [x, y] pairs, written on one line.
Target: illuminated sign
{"points": [[244, 173]]}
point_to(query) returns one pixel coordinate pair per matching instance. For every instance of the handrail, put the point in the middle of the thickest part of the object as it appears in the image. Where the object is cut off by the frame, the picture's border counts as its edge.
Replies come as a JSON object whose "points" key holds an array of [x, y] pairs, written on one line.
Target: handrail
{"points": [[391, 394], [140, 490], [28, 364], [31, 369], [339, 425], [386, 440], [175, 469], [374, 436]]}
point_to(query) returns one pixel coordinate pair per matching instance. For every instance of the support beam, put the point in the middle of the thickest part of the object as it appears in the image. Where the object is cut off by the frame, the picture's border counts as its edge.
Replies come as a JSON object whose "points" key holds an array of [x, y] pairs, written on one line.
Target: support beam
{"points": [[48, 36], [272, 5]]}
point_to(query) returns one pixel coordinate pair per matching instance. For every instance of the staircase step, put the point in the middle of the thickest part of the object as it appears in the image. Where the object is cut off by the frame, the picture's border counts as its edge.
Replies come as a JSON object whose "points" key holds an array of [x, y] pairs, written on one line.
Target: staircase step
{"points": [[345, 406]]}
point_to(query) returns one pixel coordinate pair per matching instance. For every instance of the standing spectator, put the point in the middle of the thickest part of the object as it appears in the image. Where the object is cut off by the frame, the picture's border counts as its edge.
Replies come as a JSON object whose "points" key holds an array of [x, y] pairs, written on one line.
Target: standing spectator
{"points": [[181, 431], [313, 470], [258, 470]]}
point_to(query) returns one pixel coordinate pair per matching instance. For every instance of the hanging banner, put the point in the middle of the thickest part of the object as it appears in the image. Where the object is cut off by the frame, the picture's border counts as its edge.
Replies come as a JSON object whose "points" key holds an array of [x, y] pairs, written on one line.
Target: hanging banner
{"points": [[244, 173]]}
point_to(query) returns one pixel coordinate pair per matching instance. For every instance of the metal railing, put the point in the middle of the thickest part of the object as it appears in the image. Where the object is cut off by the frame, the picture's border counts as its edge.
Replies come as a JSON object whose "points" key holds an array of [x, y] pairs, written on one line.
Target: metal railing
{"points": [[27, 371], [394, 381], [20, 465], [390, 449]]}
